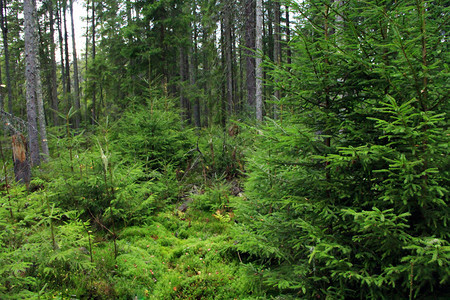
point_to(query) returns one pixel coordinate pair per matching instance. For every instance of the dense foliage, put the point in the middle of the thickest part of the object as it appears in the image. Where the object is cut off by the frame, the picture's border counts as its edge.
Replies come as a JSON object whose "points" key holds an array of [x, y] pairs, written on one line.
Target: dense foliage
{"points": [[341, 192], [348, 197]]}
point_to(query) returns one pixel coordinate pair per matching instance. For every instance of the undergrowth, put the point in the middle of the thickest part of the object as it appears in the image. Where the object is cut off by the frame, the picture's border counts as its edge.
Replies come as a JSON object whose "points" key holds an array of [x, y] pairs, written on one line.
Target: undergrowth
{"points": [[106, 220]]}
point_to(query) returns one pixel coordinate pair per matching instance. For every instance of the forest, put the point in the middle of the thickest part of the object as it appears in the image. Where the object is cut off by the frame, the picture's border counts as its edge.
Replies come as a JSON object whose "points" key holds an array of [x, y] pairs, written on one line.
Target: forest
{"points": [[224, 149]]}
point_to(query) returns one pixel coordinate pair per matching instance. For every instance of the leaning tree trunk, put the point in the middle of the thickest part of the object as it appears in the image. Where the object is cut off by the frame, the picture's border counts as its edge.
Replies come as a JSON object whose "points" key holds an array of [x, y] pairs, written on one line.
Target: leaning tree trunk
{"points": [[30, 76]]}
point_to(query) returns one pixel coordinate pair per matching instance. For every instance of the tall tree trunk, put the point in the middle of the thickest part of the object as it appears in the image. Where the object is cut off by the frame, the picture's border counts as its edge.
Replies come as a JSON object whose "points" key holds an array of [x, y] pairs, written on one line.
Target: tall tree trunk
{"points": [[75, 71], [182, 68], [184, 101], [165, 73], [193, 69], [86, 51], [250, 36], [66, 53], [206, 74], [229, 56], [30, 75], [39, 99], [1, 94], [61, 48], [288, 39], [93, 62], [223, 99], [259, 70], [240, 87], [276, 50], [4, 26], [234, 78], [53, 80], [269, 22]]}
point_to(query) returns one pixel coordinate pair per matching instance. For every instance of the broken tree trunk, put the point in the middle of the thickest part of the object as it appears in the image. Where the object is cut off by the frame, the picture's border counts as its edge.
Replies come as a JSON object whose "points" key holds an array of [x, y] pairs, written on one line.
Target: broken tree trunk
{"points": [[22, 169]]}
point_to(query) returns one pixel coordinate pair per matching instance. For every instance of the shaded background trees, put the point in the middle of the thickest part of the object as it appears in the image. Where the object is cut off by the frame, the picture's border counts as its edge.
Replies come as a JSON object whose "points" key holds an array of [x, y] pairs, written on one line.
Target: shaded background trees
{"points": [[201, 52]]}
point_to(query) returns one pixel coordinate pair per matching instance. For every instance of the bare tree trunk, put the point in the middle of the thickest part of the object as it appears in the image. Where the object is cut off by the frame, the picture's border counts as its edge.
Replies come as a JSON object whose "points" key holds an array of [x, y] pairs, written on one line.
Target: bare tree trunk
{"points": [[93, 61], [276, 51], [259, 70], [22, 170], [229, 56], [240, 81], [39, 101], [288, 38], [205, 41], [66, 50], [184, 101], [86, 51], [193, 70], [30, 75], [269, 22], [61, 48], [54, 86], [1, 94], [75, 71], [4, 26], [250, 36], [223, 102]]}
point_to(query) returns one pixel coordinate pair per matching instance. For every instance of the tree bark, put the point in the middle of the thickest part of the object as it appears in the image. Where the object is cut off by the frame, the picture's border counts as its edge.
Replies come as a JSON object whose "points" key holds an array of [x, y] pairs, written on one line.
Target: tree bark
{"points": [[223, 99], [93, 62], [54, 85], [39, 100], [259, 70], [30, 75], [4, 27], [75, 71], [276, 51], [288, 39], [229, 56], [61, 48], [22, 170], [206, 111], [86, 51], [66, 53], [184, 101], [193, 71], [250, 36]]}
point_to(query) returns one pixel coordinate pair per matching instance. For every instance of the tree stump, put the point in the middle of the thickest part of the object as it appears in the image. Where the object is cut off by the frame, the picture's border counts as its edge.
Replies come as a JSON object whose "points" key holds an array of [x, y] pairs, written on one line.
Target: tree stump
{"points": [[22, 169]]}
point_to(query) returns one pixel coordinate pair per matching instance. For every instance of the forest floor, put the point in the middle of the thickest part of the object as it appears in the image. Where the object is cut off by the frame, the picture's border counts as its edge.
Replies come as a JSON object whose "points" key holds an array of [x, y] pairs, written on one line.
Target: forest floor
{"points": [[184, 250], [175, 254]]}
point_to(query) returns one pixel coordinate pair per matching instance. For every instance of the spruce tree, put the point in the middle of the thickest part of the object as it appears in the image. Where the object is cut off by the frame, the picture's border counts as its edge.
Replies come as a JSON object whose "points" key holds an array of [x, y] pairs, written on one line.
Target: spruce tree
{"points": [[348, 197]]}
